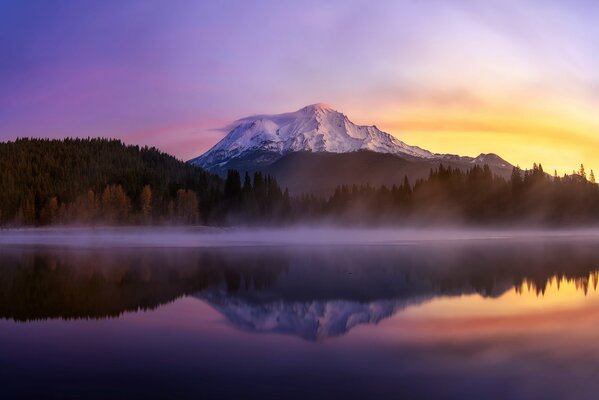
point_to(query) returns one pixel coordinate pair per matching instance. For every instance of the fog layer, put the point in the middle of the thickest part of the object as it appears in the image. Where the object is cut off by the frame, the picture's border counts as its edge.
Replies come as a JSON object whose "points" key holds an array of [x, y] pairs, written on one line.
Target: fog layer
{"points": [[215, 237]]}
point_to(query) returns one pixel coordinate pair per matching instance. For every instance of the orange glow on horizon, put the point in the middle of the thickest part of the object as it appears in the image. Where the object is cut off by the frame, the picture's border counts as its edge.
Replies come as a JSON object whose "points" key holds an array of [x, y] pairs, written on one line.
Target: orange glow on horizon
{"points": [[559, 135], [521, 316], [558, 295]]}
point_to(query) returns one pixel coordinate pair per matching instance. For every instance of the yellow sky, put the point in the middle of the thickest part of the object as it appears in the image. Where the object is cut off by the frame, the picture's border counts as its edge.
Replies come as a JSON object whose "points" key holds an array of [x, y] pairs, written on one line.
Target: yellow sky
{"points": [[527, 130]]}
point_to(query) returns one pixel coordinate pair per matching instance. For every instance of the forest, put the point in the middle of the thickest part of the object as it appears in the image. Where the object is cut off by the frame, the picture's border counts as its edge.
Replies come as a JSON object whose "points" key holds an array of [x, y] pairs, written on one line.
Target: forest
{"points": [[105, 182], [476, 196]]}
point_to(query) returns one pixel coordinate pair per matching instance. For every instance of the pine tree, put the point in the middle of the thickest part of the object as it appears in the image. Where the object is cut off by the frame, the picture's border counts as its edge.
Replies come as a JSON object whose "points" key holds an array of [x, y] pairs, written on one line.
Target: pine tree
{"points": [[516, 178], [592, 177], [582, 172], [259, 192], [232, 192], [247, 185], [406, 184]]}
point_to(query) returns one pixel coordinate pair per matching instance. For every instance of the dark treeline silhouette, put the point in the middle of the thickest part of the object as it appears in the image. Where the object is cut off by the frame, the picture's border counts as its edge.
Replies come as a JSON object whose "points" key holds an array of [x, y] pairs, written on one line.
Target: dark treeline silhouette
{"points": [[473, 196], [87, 181]]}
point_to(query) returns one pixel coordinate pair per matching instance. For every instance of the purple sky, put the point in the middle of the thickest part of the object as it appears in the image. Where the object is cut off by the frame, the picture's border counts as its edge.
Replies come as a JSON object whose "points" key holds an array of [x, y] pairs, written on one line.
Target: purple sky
{"points": [[447, 75]]}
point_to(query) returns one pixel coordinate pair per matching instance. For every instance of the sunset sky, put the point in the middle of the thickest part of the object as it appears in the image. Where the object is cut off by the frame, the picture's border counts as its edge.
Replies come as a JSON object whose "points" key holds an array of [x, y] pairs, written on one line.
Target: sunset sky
{"points": [[516, 77]]}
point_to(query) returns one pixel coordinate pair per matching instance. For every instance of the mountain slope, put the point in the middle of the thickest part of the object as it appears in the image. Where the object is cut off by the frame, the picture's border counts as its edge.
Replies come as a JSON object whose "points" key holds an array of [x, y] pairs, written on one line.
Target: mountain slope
{"points": [[317, 148], [320, 173]]}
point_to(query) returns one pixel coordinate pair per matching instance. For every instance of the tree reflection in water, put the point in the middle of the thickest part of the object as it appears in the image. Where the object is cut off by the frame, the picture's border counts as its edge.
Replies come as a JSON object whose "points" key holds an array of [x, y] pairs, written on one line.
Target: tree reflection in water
{"points": [[313, 292]]}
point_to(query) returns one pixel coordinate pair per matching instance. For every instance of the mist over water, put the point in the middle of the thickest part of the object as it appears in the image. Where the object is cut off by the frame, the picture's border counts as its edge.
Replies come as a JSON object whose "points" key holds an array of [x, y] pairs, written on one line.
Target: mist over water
{"points": [[219, 237]]}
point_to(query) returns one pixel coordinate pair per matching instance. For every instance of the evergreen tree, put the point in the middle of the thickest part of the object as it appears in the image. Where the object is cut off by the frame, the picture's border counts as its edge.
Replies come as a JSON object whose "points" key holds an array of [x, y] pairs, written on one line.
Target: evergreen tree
{"points": [[247, 185], [516, 178], [232, 192], [582, 173]]}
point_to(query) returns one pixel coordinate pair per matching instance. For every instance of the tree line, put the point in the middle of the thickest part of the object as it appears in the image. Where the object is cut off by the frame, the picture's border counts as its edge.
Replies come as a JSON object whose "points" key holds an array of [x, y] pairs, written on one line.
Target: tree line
{"points": [[474, 196], [103, 181]]}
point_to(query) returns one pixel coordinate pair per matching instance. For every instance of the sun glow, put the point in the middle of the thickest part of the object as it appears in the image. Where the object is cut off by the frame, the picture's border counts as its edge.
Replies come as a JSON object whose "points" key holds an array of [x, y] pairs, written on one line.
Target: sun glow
{"points": [[522, 134]]}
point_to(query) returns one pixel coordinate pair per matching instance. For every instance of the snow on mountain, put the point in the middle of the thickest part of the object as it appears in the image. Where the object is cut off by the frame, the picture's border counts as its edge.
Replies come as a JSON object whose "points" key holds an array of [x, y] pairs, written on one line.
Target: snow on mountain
{"points": [[315, 128], [311, 320]]}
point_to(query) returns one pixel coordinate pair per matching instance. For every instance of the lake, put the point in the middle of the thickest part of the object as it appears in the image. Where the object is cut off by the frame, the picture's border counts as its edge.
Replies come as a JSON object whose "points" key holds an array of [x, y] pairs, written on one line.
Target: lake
{"points": [[478, 316]]}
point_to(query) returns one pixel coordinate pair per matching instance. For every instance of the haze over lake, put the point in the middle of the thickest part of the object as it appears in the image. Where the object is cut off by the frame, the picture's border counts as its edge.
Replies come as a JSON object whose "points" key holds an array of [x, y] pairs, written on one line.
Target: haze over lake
{"points": [[484, 315]]}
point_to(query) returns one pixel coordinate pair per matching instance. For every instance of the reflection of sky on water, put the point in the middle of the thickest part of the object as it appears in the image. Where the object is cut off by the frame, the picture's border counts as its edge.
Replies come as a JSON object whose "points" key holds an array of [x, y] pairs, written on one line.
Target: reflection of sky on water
{"points": [[473, 321], [315, 320]]}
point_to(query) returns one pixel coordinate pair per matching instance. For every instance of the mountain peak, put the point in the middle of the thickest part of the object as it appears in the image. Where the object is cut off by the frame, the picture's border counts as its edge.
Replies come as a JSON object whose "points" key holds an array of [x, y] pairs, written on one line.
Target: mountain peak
{"points": [[314, 128], [490, 159], [318, 107]]}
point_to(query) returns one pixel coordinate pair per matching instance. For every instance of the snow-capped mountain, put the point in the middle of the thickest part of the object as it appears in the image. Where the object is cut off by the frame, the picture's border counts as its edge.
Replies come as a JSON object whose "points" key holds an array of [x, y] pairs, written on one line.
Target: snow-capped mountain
{"points": [[314, 128], [311, 320], [315, 149]]}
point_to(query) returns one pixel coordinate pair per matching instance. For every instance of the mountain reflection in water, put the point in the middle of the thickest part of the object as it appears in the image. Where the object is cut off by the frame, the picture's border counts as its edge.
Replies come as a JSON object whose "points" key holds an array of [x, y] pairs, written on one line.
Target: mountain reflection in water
{"points": [[493, 319], [313, 293]]}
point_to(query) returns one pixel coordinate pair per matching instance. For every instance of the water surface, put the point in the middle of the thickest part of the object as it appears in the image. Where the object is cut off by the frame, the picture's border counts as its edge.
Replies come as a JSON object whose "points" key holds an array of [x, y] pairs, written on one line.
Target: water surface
{"points": [[426, 319]]}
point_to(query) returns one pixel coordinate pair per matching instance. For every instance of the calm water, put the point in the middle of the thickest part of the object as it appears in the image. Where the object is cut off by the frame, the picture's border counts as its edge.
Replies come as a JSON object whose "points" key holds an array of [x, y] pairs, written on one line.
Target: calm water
{"points": [[493, 319]]}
